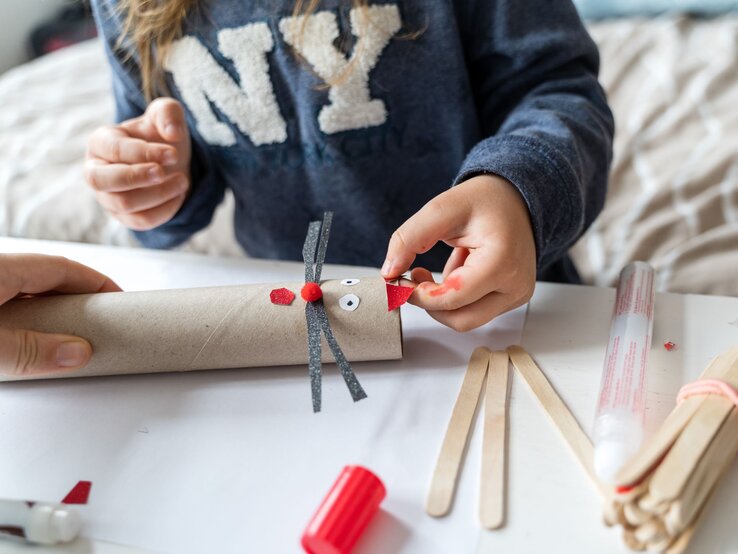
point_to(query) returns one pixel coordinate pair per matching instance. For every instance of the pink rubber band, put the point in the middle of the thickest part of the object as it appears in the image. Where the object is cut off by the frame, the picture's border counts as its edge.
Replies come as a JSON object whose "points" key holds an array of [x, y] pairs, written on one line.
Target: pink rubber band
{"points": [[708, 386]]}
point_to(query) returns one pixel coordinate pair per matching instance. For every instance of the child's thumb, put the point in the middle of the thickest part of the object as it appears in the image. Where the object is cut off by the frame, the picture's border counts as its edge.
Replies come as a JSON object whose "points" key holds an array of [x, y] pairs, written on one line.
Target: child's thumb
{"points": [[168, 117], [25, 353]]}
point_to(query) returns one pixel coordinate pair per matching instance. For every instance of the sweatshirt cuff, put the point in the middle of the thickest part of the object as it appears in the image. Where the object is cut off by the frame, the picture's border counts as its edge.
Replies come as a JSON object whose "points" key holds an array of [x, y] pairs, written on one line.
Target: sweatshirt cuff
{"points": [[546, 181]]}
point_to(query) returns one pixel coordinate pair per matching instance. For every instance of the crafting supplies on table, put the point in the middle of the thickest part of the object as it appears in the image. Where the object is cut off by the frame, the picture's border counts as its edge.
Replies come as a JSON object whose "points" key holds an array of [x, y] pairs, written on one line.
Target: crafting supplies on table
{"points": [[218, 431]]}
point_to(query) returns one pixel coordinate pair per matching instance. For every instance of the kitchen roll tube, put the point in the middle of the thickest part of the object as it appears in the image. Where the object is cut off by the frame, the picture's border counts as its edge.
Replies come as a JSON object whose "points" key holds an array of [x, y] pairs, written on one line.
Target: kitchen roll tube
{"points": [[209, 328]]}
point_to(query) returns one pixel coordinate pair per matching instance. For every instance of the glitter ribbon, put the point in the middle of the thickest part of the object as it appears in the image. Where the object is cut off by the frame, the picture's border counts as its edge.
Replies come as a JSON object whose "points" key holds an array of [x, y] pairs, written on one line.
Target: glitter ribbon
{"points": [[313, 252]]}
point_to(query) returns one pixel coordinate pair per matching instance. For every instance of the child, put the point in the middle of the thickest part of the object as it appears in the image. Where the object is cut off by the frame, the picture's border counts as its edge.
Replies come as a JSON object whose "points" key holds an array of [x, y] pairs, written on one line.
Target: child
{"points": [[370, 110]]}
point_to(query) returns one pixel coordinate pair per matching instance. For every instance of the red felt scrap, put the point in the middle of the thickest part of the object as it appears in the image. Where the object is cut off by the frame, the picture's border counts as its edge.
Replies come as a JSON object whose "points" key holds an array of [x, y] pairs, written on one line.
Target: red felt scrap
{"points": [[79, 494], [670, 346], [311, 292], [397, 296], [283, 297]]}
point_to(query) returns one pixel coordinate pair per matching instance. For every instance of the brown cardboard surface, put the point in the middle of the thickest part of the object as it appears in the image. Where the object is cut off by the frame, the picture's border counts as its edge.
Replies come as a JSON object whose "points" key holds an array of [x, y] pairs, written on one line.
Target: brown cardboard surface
{"points": [[208, 328]]}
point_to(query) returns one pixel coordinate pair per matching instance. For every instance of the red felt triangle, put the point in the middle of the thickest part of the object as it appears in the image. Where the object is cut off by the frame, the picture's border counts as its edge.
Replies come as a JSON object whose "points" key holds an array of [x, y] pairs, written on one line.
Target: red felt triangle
{"points": [[397, 296], [79, 494]]}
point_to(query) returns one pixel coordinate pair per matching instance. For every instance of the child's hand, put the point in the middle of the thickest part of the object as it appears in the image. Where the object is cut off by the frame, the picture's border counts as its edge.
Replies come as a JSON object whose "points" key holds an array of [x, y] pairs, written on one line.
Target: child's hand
{"points": [[140, 169], [492, 268]]}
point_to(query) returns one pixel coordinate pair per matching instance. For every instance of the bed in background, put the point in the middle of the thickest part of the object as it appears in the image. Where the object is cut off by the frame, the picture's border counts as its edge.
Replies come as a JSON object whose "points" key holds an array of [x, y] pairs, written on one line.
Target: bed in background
{"points": [[673, 198]]}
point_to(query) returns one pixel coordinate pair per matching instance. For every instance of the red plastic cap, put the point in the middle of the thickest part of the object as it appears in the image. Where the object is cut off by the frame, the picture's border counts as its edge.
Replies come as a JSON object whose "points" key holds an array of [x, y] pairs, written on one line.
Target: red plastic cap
{"points": [[344, 513]]}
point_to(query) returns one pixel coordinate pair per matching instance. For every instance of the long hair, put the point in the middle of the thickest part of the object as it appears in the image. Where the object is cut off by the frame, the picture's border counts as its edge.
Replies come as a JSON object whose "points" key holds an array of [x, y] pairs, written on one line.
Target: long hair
{"points": [[151, 26]]}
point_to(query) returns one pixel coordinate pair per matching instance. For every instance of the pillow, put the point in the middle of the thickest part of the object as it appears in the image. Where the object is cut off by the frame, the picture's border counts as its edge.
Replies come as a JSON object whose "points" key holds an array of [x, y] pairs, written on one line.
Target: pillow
{"points": [[673, 194], [596, 9]]}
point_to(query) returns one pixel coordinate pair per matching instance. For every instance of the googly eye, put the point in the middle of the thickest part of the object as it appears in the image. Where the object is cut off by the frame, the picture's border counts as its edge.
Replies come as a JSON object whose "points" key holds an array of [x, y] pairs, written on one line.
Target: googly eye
{"points": [[350, 282], [349, 302]]}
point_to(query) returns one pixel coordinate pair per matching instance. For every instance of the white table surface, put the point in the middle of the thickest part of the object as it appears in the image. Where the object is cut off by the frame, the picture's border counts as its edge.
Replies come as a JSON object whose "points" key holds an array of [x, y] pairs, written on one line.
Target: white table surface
{"points": [[551, 505]]}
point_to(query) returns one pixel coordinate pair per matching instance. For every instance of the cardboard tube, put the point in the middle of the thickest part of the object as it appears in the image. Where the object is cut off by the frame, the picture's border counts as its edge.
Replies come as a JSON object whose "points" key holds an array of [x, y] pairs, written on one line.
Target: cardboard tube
{"points": [[208, 328]]}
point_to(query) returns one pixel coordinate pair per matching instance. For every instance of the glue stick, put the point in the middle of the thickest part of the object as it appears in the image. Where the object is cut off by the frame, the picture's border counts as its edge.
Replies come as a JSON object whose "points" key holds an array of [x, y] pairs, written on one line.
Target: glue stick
{"points": [[621, 410], [38, 522]]}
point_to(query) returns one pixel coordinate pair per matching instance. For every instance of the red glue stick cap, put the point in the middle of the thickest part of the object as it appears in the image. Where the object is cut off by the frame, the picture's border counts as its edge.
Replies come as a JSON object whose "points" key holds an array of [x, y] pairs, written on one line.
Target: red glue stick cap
{"points": [[344, 513]]}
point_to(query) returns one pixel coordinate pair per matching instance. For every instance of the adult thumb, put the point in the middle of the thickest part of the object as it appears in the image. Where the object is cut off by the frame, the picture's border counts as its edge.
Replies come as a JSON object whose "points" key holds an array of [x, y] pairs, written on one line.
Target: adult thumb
{"points": [[27, 353]]}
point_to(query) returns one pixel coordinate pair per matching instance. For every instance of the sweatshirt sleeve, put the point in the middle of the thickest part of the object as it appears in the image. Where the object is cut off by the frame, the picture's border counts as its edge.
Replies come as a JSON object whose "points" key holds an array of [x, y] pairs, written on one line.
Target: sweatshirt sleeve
{"points": [[545, 117], [207, 189]]}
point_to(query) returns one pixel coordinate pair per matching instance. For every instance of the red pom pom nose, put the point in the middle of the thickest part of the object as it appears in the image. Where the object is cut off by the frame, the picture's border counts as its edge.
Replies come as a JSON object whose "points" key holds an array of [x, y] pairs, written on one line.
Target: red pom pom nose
{"points": [[311, 292]]}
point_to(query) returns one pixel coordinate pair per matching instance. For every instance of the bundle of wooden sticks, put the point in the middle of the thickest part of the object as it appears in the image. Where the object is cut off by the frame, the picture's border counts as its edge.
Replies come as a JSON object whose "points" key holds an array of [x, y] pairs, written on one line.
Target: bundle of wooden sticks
{"points": [[662, 492]]}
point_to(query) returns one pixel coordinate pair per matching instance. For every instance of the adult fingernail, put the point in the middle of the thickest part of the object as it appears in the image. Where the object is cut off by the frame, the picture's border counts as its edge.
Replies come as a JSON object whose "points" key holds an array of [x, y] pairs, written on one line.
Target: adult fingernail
{"points": [[387, 267], [72, 354], [169, 158], [155, 175]]}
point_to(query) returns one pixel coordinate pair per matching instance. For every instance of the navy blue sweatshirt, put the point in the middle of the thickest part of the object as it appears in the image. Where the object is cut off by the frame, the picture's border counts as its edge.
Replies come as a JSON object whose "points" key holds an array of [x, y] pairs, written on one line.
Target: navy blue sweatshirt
{"points": [[424, 95]]}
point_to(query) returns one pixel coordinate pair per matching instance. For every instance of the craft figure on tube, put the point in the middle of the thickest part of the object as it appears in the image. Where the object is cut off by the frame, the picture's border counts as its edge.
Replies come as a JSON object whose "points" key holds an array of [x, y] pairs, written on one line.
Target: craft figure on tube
{"points": [[251, 325], [313, 252]]}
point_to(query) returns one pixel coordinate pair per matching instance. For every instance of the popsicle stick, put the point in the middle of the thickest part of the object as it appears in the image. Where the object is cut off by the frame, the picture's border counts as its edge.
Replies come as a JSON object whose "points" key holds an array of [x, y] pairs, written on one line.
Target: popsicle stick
{"points": [[494, 442], [648, 504], [613, 512], [651, 531], [635, 516], [672, 474], [670, 478], [632, 542], [558, 412], [659, 544], [680, 543], [654, 449], [446, 473], [704, 478]]}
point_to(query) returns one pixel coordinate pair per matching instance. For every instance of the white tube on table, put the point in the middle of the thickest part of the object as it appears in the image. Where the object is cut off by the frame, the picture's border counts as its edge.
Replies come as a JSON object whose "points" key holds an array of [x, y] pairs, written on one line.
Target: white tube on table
{"points": [[38, 522], [620, 419]]}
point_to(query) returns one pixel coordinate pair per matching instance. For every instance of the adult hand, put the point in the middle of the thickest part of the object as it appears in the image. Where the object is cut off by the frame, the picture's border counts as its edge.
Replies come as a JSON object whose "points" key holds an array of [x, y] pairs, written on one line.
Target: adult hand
{"points": [[26, 352]]}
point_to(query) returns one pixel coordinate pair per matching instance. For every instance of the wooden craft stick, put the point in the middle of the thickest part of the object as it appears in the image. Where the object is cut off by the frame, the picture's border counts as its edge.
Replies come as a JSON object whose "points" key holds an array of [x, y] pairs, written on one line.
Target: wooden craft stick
{"points": [[670, 478], [631, 541], [559, 413], [705, 476], [634, 515], [655, 448], [651, 531], [446, 474], [613, 512], [492, 490], [672, 474], [648, 504], [659, 544], [680, 543]]}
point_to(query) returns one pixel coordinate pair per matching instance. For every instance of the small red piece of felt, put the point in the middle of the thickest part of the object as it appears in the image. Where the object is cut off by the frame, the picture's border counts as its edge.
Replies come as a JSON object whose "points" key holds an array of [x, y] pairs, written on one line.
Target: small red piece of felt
{"points": [[283, 297], [311, 292], [397, 296], [79, 494], [670, 346]]}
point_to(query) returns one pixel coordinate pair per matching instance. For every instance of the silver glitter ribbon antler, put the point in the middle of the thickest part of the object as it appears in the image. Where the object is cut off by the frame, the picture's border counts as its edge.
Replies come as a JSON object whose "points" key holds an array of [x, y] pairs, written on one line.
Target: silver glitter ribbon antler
{"points": [[313, 252]]}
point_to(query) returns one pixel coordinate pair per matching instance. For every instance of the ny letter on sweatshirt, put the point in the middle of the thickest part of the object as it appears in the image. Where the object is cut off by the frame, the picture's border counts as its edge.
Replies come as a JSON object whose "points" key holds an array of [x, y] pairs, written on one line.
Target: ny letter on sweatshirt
{"points": [[252, 106], [350, 104]]}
